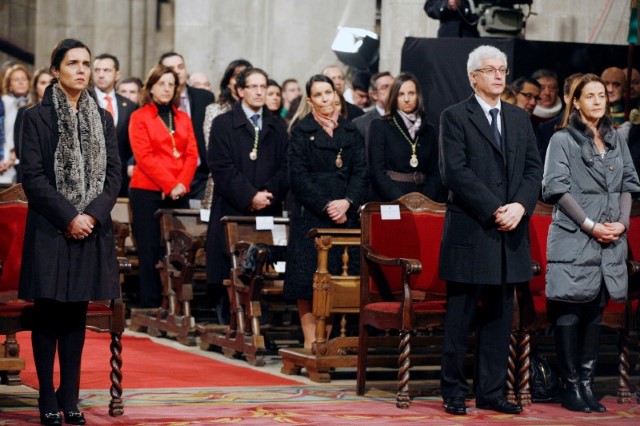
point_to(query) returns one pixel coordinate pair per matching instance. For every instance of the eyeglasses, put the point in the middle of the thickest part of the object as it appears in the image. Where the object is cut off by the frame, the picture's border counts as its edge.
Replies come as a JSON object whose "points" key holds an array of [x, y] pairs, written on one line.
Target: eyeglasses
{"points": [[491, 72], [253, 87], [530, 96]]}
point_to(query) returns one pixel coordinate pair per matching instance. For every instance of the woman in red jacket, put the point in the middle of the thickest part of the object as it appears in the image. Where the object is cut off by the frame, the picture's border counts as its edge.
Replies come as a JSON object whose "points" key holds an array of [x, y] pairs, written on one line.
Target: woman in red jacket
{"points": [[166, 154]]}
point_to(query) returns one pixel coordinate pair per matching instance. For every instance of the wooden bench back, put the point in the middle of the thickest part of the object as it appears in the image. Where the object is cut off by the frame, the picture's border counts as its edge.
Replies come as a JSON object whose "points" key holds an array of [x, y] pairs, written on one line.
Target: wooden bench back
{"points": [[243, 229], [417, 235], [13, 219]]}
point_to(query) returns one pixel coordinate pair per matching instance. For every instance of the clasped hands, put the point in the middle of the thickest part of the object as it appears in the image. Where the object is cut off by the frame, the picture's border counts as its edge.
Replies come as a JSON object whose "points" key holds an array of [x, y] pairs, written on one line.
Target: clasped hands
{"points": [[80, 227], [607, 232], [509, 216], [178, 191], [337, 211], [261, 200]]}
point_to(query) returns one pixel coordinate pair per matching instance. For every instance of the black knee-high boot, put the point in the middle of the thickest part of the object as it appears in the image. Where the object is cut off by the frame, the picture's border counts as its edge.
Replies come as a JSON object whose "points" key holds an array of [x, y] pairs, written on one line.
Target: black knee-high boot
{"points": [[588, 357], [43, 341], [71, 342], [566, 338]]}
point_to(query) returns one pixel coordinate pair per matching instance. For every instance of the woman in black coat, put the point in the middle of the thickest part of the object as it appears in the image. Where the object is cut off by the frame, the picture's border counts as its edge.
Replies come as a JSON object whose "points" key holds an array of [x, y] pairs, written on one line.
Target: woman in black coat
{"points": [[71, 176], [403, 147], [328, 178]]}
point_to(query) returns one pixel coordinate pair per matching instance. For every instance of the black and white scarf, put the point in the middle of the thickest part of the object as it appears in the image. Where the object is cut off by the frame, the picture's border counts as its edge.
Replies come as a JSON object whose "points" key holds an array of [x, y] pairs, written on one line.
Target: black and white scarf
{"points": [[80, 160]]}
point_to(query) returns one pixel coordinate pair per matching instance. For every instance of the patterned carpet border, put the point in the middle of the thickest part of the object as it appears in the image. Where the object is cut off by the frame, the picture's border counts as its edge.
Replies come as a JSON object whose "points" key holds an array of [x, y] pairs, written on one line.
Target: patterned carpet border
{"points": [[299, 405]]}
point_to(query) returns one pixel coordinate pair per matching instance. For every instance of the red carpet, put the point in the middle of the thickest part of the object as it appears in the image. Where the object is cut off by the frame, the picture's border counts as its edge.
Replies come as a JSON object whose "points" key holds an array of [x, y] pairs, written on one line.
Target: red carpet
{"points": [[150, 365]]}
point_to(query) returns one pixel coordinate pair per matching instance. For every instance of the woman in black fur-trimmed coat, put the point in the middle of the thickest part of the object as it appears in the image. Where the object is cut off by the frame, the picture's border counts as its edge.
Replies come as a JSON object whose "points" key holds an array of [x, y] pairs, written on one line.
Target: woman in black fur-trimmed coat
{"points": [[328, 178]]}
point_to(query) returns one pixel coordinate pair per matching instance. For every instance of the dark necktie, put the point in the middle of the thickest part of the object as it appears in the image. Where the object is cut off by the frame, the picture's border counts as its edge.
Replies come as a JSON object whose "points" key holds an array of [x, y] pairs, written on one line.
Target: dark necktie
{"points": [[494, 126], [254, 119]]}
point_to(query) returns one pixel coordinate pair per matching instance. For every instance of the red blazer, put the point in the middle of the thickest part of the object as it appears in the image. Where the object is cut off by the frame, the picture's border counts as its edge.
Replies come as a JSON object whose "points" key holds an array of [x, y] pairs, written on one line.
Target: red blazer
{"points": [[156, 167]]}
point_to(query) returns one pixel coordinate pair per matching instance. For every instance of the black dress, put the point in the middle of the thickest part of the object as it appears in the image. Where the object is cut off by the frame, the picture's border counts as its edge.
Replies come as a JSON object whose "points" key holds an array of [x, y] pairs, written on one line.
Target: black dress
{"points": [[316, 180], [389, 150]]}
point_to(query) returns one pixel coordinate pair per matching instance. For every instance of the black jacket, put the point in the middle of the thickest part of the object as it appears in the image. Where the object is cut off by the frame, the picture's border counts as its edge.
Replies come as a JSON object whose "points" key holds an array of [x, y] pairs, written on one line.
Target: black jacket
{"points": [[199, 99], [238, 178], [480, 179]]}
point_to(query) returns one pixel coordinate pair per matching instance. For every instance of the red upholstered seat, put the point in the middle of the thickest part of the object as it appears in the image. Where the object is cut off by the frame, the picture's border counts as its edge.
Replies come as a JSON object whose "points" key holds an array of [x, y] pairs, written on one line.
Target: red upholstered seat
{"points": [[400, 288], [17, 315], [533, 303]]}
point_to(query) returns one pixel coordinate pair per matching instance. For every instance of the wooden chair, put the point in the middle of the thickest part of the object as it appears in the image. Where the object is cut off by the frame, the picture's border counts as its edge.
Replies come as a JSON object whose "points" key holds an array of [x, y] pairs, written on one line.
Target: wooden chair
{"points": [[332, 295], [400, 289], [245, 336], [17, 315], [533, 304], [184, 235]]}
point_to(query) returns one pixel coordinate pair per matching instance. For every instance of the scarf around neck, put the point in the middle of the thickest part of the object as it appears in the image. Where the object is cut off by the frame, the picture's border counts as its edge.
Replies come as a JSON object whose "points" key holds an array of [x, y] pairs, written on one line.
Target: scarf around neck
{"points": [[328, 123], [80, 160], [412, 121]]}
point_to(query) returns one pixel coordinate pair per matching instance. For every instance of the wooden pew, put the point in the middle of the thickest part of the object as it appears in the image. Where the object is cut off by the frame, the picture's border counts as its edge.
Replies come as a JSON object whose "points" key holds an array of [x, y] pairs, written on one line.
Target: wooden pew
{"points": [[332, 294], [245, 337], [184, 235], [17, 315]]}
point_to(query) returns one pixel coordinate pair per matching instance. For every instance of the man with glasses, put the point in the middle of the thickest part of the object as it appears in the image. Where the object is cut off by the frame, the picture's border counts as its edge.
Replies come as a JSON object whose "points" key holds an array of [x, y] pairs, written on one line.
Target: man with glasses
{"points": [[489, 163], [527, 92], [247, 156], [550, 104]]}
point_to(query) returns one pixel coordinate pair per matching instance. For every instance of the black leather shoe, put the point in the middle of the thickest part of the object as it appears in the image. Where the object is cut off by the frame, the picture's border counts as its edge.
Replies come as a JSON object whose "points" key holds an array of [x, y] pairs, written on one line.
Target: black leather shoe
{"points": [[73, 417], [51, 418], [455, 406], [500, 405]]}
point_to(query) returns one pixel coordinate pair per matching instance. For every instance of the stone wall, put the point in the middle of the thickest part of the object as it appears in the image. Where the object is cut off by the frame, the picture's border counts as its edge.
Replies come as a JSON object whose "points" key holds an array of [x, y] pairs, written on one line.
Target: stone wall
{"points": [[288, 38]]}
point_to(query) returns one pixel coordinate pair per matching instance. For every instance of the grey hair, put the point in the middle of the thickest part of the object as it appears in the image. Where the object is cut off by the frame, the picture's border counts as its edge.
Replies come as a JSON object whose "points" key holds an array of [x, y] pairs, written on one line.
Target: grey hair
{"points": [[481, 53]]}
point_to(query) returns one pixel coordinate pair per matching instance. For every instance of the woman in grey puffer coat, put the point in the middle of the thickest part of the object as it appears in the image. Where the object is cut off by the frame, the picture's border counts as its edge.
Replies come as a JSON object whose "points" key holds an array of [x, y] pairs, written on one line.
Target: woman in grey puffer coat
{"points": [[590, 177]]}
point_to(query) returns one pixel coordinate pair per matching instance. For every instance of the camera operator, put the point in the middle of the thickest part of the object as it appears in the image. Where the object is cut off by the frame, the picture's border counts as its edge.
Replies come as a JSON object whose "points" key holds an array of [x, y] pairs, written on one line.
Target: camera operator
{"points": [[455, 16]]}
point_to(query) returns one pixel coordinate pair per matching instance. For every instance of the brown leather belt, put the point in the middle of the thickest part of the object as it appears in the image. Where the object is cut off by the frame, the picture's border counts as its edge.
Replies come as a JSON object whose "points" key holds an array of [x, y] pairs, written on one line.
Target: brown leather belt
{"points": [[415, 177]]}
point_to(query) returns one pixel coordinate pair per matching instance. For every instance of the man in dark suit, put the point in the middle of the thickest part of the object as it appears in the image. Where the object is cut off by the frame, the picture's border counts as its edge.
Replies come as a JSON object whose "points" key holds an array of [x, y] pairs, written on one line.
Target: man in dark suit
{"points": [[379, 89], [489, 162], [248, 161], [456, 17], [194, 102], [106, 71]]}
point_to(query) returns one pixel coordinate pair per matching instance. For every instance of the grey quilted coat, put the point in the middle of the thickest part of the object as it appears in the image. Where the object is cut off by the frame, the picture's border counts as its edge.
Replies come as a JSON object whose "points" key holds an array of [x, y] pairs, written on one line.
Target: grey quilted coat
{"points": [[577, 264]]}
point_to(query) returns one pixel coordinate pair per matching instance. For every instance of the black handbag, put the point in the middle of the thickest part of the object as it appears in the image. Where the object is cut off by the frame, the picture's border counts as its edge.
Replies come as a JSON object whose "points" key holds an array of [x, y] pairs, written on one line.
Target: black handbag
{"points": [[544, 383]]}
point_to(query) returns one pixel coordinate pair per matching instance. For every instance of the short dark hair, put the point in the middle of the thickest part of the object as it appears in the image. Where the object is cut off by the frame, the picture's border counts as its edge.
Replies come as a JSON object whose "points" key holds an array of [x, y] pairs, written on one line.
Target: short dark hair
{"points": [[373, 85], [519, 83], [135, 80], [115, 60], [288, 81], [318, 78], [241, 80], [154, 75], [168, 55], [61, 49], [544, 72], [226, 97]]}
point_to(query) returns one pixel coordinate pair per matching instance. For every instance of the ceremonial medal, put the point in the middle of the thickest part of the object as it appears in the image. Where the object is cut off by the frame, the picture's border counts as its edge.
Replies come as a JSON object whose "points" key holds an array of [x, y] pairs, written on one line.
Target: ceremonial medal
{"points": [[176, 154], [414, 161], [339, 159], [253, 155]]}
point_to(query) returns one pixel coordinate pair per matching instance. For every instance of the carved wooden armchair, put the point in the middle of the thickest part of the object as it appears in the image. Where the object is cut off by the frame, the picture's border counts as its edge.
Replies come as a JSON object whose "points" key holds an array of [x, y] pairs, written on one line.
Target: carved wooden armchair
{"points": [[400, 288], [533, 303], [248, 290], [16, 315]]}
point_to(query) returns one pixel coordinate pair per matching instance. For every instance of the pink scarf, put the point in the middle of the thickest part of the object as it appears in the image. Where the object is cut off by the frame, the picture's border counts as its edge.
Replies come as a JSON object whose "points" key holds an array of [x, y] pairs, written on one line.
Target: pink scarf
{"points": [[328, 123]]}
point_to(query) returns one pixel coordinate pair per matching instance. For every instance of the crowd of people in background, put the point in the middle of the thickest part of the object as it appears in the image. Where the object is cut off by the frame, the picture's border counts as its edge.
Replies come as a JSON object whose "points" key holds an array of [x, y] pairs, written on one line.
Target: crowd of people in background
{"points": [[320, 151]]}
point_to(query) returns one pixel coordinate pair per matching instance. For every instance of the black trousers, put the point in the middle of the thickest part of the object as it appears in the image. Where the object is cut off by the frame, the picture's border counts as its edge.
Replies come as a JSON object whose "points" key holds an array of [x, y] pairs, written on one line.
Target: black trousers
{"points": [[146, 229], [494, 330]]}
